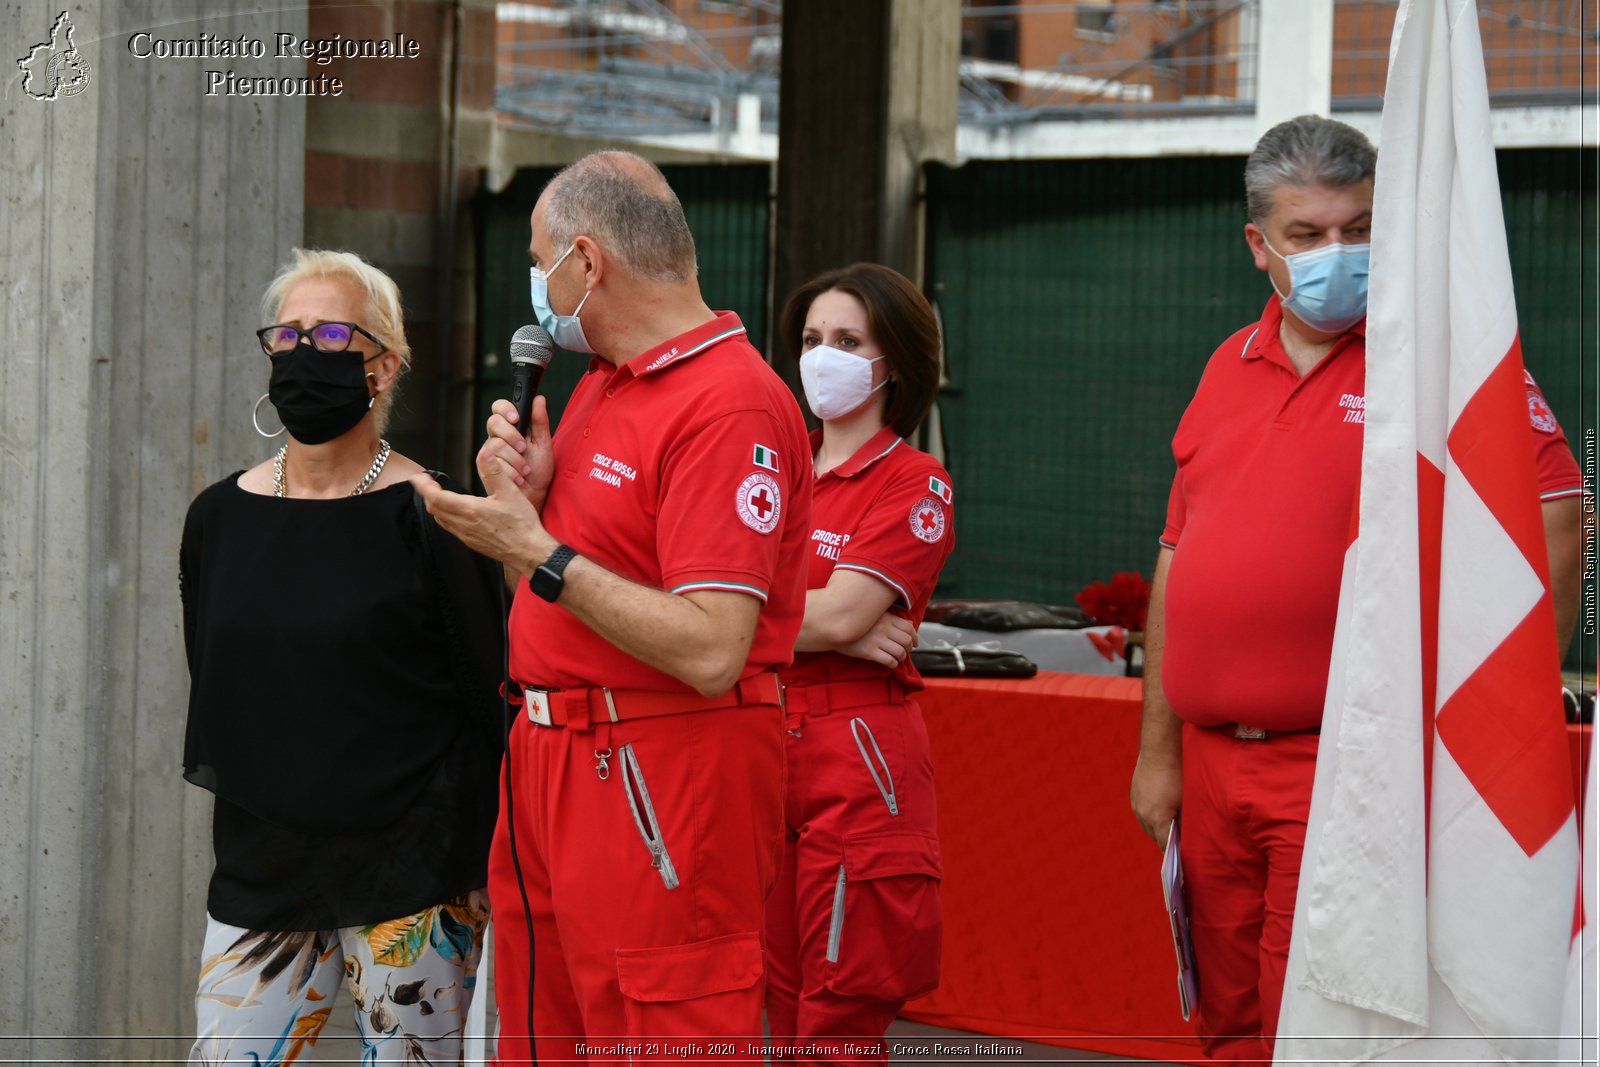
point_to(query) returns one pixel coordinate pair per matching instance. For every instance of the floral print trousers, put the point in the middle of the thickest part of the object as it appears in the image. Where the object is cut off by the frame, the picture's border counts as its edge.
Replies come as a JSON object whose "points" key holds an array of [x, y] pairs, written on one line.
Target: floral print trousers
{"points": [[264, 996]]}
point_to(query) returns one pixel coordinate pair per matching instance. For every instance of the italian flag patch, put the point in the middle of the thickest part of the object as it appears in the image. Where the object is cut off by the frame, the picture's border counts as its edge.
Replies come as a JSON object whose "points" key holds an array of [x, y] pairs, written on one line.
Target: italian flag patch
{"points": [[940, 490], [764, 457]]}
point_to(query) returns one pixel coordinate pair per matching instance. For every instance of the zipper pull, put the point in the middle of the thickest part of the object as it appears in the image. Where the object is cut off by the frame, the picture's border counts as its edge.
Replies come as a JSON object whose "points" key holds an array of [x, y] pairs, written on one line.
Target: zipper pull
{"points": [[885, 783]]}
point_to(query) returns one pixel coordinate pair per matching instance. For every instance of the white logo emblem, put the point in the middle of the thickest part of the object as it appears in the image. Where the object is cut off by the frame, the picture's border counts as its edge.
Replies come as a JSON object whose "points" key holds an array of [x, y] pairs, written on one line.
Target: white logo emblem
{"points": [[927, 520], [759, 502], [55, 68]]}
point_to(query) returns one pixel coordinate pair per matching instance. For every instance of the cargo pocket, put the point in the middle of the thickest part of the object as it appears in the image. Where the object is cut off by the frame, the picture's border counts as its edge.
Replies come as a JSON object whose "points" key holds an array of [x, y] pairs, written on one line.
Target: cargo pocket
{"points": [[705, 989], [887, 925]]}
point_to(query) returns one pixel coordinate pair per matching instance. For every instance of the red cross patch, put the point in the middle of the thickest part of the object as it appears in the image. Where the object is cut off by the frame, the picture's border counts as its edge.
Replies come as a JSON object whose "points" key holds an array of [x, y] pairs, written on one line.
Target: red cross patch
{"points": [[759, 502], [1539, 413], [927, 520]]}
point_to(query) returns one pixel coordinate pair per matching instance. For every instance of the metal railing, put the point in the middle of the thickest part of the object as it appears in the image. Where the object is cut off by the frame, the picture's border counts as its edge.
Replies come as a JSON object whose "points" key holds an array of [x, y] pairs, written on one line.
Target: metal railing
{"points": [[643, 68], [1022, 62], [1537, 52], [630, 68]]}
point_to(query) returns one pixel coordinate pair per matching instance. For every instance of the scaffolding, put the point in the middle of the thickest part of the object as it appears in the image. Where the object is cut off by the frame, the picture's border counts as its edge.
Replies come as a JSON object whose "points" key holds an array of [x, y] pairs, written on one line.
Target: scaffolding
{"points": [[659, 69]]}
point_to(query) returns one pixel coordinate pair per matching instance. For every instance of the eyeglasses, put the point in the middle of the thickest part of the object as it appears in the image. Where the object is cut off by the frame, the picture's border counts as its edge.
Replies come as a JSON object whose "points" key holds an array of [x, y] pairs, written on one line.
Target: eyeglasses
{"points": [[326, 337]]}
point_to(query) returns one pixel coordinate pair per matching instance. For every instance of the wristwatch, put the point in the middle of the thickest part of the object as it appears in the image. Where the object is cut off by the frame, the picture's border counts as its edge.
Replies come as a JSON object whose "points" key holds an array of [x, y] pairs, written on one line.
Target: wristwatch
{"points": [[547, 579]]}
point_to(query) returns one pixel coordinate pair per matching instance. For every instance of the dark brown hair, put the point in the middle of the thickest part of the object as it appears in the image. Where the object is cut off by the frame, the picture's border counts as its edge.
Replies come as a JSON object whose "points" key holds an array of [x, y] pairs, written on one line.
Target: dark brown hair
{"points": [[900, 321]]}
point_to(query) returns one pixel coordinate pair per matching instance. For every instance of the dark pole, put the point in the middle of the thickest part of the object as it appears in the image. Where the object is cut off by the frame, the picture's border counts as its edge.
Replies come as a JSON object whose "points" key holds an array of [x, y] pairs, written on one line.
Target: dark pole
{"points": [[867, 93], [832, 124]]}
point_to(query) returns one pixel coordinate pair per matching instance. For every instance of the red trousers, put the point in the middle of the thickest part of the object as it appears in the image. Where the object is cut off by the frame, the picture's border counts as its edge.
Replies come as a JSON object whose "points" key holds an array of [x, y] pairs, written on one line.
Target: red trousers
{"points": [[646, 850], [1245, 805], [854, 925]]}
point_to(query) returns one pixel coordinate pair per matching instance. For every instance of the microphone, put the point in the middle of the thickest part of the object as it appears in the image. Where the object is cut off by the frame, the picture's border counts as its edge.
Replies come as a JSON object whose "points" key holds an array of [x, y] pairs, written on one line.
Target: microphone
{"points": [[531, 349]]}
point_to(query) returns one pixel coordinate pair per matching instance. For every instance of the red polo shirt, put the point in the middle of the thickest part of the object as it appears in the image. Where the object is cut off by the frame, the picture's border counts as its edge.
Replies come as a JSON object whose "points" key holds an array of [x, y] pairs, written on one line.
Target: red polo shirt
{"points": [[684, 468], [1269, 465], [886, 513]]}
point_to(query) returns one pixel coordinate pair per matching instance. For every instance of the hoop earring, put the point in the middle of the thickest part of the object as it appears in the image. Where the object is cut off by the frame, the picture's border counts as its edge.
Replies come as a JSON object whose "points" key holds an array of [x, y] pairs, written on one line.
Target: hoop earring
{"points": [[255, 419]]}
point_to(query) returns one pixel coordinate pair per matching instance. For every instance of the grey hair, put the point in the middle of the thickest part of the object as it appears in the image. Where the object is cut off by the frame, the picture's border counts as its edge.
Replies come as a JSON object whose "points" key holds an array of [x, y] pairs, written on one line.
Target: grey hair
{"points": [[608, 196], [1305, 151], [384, 317]]}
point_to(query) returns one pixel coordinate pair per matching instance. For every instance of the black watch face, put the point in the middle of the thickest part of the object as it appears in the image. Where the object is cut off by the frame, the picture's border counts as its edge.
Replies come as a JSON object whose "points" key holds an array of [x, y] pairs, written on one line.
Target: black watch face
{"points": [[546, 583], [546, 579]]}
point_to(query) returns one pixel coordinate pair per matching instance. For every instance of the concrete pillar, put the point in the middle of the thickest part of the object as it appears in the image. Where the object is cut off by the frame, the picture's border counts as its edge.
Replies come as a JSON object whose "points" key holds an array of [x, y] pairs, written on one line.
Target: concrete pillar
{"points": [[139, 222], [1294, 67], [867, 95], [923, 59]]}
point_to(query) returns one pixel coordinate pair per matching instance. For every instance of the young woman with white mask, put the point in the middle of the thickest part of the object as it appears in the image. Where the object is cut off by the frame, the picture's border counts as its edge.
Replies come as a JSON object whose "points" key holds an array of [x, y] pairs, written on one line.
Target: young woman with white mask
{"points": [[862, 837]]}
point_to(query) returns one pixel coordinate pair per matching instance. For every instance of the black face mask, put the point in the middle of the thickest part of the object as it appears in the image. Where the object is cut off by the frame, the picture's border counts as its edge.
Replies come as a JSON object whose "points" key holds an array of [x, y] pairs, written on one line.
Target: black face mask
{"points": [[319, 395]]}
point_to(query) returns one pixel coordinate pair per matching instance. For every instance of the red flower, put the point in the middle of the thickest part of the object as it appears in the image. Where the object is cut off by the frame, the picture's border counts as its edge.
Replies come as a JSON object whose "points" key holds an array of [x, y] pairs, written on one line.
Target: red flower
{"points": [[1119, 602]]}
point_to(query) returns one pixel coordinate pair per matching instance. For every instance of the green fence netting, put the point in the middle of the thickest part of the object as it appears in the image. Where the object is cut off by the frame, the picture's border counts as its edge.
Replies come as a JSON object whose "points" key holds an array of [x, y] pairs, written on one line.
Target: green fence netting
{"points": [[1080, 299]]}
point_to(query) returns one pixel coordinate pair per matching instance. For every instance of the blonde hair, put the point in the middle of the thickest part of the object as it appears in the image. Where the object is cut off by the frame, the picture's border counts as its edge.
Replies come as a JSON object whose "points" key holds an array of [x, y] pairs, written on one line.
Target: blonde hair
{"points": [[385, 318]]}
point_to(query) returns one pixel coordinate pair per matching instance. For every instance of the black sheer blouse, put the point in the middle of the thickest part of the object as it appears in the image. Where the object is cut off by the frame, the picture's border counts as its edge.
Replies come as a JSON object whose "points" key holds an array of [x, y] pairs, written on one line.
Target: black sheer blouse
{"points": [[344, 657]]}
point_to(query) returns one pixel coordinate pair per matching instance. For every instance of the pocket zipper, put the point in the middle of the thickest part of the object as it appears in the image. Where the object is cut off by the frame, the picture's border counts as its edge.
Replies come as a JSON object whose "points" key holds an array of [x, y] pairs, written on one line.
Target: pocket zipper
{"points": [[858, 726], [836, 924], [644, 817]]}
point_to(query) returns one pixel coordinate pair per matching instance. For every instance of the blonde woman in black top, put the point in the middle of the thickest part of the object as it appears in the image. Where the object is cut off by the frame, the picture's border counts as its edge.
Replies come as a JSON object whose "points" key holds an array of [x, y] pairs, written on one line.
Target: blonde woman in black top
{"points": [[343, 655]]}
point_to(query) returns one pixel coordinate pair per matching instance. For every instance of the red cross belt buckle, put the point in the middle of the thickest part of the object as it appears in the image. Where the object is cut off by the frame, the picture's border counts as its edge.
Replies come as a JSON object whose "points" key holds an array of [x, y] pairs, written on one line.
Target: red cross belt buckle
{"points": [[1249, 733], [537, 702]]}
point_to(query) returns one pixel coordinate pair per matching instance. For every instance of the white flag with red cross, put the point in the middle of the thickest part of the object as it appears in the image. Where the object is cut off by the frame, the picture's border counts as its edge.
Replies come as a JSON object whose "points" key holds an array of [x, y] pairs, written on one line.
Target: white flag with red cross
{"points": [[1437, 890]]}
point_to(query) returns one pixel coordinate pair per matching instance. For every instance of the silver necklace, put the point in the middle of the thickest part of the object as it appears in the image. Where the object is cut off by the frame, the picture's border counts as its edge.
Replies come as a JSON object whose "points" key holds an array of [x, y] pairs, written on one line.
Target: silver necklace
{"points": [[366, 483]]}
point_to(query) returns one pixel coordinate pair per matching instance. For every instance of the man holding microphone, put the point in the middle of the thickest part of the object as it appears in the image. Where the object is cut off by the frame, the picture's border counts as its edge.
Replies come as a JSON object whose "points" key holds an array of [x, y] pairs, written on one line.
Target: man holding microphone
{"points": [[660, 540]]}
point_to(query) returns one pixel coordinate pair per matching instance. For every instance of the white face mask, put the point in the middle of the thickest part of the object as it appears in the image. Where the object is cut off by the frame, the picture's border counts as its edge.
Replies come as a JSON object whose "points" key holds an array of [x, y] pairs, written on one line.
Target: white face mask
{"points": [[836, 383]]}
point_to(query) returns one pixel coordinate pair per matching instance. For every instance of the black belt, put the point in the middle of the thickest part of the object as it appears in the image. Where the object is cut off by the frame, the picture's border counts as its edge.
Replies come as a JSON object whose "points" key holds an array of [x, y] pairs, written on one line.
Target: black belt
{"points": [[1257, 733]]}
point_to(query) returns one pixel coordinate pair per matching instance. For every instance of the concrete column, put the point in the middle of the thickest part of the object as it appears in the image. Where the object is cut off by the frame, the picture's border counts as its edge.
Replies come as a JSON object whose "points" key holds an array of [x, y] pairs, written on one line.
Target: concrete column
{"points": [[141, 220], [867, 95], [923, 59], [1294, 68]]}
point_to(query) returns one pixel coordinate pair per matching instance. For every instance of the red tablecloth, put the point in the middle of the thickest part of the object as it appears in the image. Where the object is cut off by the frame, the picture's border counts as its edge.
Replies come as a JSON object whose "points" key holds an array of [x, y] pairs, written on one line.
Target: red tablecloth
{"points": [[1054, 924]]}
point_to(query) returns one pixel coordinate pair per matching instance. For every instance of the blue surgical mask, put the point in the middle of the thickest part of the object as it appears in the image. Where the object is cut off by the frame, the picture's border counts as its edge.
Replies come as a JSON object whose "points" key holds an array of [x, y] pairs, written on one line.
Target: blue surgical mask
{"points": [[565, 330], [1327, 285]]}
